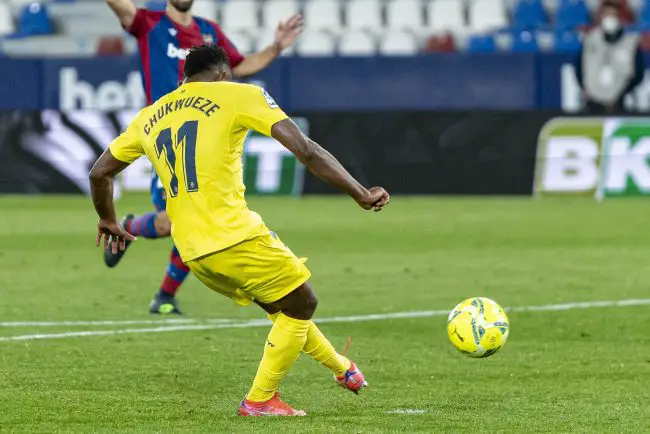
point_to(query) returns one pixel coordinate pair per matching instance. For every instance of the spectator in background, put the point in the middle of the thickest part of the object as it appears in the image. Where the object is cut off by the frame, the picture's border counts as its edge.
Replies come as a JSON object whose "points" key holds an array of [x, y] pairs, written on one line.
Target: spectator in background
{"points": [[610, 64]]}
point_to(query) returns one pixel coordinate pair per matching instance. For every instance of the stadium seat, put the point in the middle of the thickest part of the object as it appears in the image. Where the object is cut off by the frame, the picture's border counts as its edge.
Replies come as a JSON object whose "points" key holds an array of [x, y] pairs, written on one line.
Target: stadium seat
{"points": [[446, 16], [571, 14], [277, 10], [487, 15], [524, 42], [316, 43], [323, 15], [242, 40], [405, 14], [6, 20], [529, 14], [567, 42], [481, 44], [205, 9], [645, 42], [363, 15], [357, 43], [644, 15], [34, 20], [440, 44], [156, 5], [398, 43], [111, 46], [265, 37], [240, 15]]}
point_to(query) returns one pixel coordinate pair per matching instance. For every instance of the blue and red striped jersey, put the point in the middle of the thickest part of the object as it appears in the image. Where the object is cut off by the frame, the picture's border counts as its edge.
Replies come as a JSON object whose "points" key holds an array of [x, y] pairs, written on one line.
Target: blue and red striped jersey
{"points": [[163, 45]]}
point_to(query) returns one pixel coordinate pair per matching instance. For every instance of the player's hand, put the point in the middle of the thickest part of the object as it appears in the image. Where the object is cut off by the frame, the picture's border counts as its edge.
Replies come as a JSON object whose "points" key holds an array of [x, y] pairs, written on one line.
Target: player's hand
{"points": [[114, 234], [377, 198], [288, 31]]}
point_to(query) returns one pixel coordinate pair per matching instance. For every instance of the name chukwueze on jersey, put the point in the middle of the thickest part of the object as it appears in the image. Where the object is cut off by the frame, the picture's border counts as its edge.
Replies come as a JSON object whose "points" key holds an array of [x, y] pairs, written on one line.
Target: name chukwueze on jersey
{"points": [[204, 105]]}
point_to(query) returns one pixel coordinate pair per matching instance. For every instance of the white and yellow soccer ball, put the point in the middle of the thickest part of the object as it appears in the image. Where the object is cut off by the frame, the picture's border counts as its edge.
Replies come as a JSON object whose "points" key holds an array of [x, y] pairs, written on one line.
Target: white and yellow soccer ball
{"points": [[478, 327]]}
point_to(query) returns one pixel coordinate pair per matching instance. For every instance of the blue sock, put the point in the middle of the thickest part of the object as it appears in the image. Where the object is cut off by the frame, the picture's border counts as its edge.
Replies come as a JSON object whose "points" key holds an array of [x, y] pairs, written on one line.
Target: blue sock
{"points": [[143, 226]]}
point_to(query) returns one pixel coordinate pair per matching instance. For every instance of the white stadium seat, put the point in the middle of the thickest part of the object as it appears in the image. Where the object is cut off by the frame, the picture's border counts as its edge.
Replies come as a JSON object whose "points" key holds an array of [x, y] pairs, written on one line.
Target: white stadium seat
{"points": [[205, 9], [240, 15], [405, 14], [363, 14], [357, 43], [316, 43], [265, 37], [275, 11], [242, 40], [446, 16], [6, 20], [323, 15], [487, 15], [398, 43]]}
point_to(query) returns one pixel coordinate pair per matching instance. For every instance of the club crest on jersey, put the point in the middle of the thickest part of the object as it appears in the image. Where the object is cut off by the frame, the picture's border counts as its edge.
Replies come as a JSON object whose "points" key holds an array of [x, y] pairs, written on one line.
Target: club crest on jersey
{"points": [[269, 99], [207, 38]]}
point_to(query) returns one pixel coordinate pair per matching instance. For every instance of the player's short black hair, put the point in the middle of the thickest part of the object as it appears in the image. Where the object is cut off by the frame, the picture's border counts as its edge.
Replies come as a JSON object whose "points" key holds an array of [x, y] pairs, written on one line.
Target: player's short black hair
{"points": [[204, 57]]}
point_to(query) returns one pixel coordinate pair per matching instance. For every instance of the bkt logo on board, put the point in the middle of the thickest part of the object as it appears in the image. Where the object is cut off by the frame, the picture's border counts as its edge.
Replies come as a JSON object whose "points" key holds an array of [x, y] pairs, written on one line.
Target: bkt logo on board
{"points": [[594, 156]]}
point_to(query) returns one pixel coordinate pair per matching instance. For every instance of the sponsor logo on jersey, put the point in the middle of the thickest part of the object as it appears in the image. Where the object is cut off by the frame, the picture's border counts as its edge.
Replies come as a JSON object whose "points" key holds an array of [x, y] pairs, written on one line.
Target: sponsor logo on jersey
{"points": [[174, 52]]}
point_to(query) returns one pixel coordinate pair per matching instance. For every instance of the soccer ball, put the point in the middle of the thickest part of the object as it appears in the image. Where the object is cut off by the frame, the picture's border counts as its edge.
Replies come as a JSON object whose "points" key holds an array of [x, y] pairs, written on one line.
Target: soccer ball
{"points": [[478, 327]]}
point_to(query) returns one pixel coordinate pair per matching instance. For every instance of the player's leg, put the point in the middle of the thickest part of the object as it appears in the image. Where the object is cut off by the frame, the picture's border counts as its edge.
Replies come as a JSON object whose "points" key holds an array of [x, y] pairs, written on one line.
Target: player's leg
{"points": [[283, 346], [150, 225], [346, 373], [164, 301], [317, 345]]}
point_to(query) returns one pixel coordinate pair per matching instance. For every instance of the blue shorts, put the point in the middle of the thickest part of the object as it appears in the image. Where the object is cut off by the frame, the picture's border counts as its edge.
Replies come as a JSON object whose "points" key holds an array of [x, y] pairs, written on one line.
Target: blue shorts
{"points": [[158, 194]]}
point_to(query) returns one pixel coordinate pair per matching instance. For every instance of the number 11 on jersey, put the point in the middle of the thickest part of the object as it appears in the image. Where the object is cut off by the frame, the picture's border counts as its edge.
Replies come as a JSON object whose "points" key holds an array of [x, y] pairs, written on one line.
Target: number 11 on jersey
{"points": [[186, 141]]}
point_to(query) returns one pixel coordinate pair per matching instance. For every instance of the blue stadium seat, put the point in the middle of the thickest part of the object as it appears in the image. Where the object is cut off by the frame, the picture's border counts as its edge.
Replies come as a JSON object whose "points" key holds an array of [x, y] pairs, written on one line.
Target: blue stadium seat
{"points": [[529, 14], [643, 17], [33, 20], [481, 44], [567, 41], [156, 5], [571, 14], [524, 42]]}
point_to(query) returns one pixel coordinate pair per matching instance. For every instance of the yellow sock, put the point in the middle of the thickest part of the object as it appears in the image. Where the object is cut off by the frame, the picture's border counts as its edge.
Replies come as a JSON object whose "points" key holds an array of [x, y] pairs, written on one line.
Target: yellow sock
{"points": [[321, 349], [283, 346]]}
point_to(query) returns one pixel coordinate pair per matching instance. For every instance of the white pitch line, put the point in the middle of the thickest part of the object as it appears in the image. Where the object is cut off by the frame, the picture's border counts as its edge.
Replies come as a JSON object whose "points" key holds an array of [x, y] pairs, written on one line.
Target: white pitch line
{"points": [[337, 319], [113, 322]]}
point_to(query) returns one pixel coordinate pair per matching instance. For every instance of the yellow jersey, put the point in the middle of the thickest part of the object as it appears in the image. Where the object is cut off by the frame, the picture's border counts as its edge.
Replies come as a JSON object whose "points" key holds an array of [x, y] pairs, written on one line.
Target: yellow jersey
{"points": [[194, 138]]}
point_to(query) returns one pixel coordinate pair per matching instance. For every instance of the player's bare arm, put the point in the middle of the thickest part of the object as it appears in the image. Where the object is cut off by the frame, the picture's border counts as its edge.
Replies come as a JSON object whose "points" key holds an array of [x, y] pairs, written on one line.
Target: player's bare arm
{"points": [[125, 11], [323, 164], [101, 189], [285, 35]]}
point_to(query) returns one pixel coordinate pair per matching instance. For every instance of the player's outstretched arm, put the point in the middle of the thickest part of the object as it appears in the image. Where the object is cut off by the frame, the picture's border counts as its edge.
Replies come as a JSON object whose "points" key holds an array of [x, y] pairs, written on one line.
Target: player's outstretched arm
{"points": [[323, 164], [125, 11], [101, 189]]}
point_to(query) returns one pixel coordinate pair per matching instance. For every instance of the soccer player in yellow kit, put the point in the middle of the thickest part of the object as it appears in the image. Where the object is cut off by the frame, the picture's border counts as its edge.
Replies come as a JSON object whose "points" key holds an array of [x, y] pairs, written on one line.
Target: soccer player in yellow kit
{"points": [[194, 138]]}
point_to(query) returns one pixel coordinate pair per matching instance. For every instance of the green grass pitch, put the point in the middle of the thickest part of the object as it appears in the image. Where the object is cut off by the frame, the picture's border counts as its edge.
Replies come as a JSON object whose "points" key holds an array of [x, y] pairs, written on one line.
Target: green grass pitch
{"points": [[576, 370]]}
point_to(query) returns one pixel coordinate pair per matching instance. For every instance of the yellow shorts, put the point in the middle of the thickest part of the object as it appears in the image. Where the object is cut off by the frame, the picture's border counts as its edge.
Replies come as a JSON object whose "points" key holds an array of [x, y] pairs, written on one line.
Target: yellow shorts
{"points": [[261, 269]]}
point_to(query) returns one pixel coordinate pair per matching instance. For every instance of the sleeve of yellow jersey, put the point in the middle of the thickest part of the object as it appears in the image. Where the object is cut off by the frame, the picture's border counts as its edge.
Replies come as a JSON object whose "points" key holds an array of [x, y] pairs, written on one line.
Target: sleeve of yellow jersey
{"points": [[257, 111], [127, 146]]}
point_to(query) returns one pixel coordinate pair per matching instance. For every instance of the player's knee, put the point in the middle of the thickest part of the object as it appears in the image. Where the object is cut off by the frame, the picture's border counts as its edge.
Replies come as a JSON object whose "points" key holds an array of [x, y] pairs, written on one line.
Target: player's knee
{"points": [[163, 225], [310, 303]]}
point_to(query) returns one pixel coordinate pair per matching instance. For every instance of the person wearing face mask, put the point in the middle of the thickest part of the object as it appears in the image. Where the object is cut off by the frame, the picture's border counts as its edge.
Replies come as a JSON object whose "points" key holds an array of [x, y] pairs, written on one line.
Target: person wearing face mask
{"points": [[610, 64]]}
